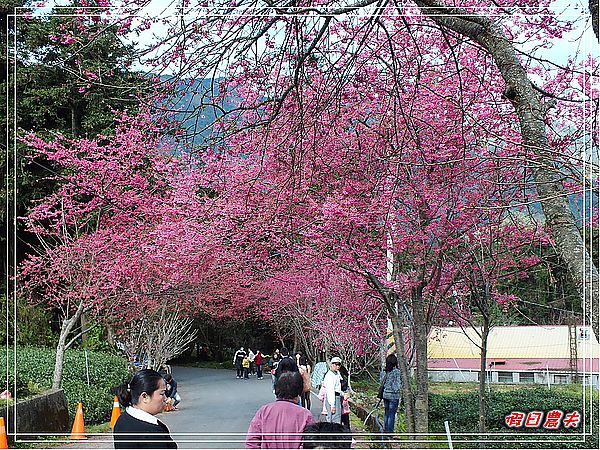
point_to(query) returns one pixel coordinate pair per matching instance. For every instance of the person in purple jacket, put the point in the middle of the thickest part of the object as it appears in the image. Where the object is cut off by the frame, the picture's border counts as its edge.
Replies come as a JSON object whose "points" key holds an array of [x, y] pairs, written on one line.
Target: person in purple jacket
{"points": [[279, 424]]}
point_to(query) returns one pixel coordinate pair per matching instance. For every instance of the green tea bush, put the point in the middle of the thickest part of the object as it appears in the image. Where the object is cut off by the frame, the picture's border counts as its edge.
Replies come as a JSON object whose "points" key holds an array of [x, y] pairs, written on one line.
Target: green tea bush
{"points": [[35, 366], [462, 411]]}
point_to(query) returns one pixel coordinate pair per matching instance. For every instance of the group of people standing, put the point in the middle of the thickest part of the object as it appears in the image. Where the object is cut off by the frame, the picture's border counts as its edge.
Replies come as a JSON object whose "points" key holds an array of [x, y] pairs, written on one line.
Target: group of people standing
{"points": [[285, 423], [282, 361], [248, 363]]}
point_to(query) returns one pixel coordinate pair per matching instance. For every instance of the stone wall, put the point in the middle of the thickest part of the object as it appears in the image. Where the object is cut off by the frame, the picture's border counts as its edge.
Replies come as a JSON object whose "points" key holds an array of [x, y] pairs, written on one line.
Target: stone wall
{"points": [[44, 414]]}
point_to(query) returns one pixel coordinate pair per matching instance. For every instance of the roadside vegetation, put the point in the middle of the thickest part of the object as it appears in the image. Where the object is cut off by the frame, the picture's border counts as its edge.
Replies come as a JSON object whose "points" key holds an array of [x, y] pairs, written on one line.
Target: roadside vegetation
{"points": [[34, 367]]}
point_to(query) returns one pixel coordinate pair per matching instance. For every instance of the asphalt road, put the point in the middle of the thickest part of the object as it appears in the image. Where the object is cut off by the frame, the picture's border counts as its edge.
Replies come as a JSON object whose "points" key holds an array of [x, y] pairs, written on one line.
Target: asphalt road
{"points": [[215, 410], [216, 407]]}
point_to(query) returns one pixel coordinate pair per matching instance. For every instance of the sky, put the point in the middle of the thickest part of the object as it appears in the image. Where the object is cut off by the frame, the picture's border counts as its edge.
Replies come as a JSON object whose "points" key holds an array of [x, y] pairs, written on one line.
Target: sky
{"points": [[581, 41]]}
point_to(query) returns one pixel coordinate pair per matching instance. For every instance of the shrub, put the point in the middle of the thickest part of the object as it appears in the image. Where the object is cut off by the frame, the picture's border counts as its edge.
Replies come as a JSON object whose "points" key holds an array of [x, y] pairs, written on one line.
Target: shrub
{"points": [[462, 410], [31, 324], [35, 367]]}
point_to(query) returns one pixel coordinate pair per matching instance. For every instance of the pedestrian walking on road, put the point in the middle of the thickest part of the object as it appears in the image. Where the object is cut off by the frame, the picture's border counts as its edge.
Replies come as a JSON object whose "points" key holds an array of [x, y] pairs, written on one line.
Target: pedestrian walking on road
{"points": [[333, 390], [297, 357], [279, 424], [258, 361], [238, 359], [392, 382], [286, 364], [304, 369], [318, 374], [251, 356], [273, 363], [138, 428]]}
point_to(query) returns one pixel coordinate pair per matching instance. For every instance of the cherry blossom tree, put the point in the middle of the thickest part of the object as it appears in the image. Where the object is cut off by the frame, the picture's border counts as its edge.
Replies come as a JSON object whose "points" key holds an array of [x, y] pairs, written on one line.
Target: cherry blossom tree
{"points": [[275, 43], [485, 260], [125, 230], [358, 182], [330, 311], [372, 135]]}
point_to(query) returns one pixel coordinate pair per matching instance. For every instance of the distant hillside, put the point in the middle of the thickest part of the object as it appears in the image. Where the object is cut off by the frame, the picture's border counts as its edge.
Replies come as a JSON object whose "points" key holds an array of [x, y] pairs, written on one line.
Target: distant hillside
{"points": [[195, 119]]}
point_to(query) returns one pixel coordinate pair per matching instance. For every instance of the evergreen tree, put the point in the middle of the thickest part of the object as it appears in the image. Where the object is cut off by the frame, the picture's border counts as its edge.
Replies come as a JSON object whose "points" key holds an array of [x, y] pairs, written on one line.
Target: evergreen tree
{"points": [[65, 75]]}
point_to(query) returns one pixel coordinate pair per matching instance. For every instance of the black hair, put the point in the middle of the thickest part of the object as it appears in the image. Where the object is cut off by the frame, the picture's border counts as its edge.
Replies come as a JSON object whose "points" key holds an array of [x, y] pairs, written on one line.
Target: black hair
{"points": [[344, 384], [303, 360], [326, 435], [146, 380], [289, 385], [344, 371], [168, 378], [284, 351], [286, 365], [391, 362]]}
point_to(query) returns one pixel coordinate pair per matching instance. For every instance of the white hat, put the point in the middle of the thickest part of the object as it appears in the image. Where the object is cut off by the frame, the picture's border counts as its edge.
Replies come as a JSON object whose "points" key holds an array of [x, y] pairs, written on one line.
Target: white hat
{"points": [[335, 359]]}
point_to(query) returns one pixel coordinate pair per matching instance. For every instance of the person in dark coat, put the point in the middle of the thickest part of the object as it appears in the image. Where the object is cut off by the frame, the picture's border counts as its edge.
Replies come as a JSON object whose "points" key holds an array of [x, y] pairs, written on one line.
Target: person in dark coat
{"points": [[172, 390], [138, 428], [238, 359], [286, 364]]}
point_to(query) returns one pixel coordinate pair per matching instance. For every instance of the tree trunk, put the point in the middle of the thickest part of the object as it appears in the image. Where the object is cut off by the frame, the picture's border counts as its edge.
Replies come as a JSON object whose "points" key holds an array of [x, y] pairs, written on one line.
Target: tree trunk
{"points": [[409, 414], [530, 111], [84, 326], [110, 334], [595, 12], [61, 347], [390, 301], [420, 337], [75, 120], [296, 345], [60, 358]]}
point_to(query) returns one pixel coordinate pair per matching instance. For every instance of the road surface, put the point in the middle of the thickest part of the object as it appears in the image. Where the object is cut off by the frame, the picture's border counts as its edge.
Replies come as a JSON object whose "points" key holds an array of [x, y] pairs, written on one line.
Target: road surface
{"points": [[217, 407], [215, 410]]}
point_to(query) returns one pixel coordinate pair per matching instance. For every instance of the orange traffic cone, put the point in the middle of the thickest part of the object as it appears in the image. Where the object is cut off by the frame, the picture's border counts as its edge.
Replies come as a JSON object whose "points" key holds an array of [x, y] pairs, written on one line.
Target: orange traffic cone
{"points": [[3, 442], [116, 412], [78, 431]]}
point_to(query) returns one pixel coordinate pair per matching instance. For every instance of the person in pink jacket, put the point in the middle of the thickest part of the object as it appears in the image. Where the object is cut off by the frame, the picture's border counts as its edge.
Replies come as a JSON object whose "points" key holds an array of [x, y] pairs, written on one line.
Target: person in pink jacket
{"points": [[279, 424]]}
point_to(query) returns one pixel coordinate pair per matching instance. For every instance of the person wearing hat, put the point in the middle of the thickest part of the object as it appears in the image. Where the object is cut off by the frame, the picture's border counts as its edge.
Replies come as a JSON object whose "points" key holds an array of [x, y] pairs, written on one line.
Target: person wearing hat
{"points": [[333, 391]]}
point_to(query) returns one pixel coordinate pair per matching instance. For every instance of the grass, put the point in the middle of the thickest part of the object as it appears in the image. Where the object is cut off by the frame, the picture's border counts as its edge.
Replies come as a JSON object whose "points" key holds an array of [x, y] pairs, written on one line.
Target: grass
{"points": [[369, 388], [99, 428], [364, 441], [58, 441], [211, 365], [450, 387], [366, 392]]}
